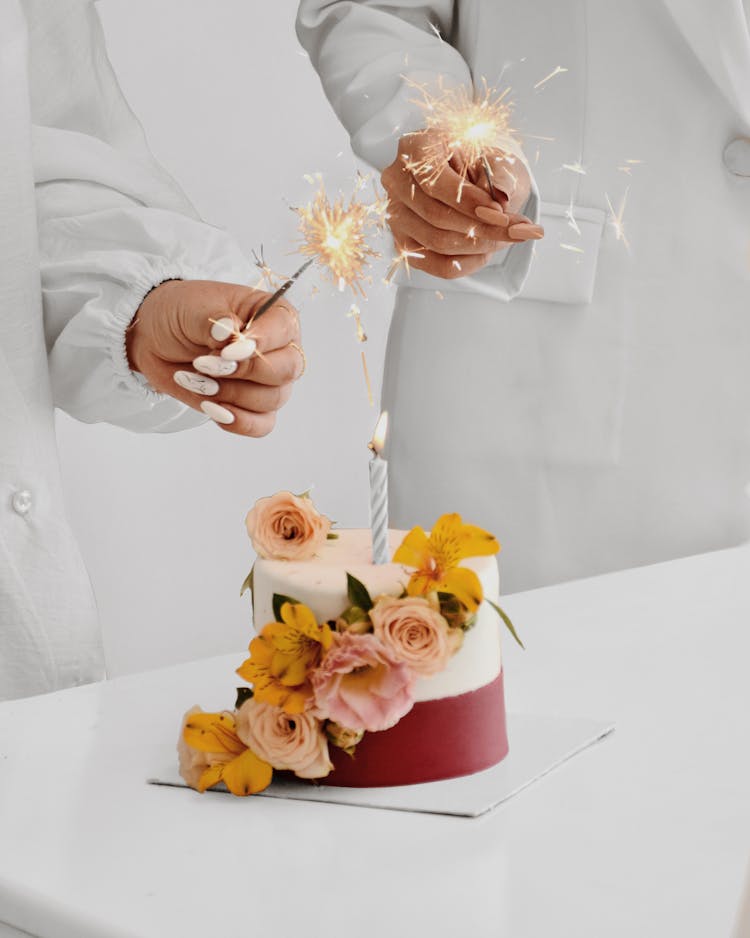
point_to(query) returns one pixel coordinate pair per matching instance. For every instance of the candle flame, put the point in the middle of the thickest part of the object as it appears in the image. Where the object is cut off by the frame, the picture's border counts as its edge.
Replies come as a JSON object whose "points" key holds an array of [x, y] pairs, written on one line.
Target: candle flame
{"points": [[378, 438]]}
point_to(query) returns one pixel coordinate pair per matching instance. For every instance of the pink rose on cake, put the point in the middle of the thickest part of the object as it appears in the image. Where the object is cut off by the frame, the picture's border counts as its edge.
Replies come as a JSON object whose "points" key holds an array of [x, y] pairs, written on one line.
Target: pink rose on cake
{"points": [[415, 632], [361, 685], [286, 527], [295, 742]]}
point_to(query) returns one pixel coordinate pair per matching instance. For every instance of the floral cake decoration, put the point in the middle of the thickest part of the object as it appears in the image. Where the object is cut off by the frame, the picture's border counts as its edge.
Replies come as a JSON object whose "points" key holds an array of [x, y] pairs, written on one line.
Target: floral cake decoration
{"points": [[320, 684]]}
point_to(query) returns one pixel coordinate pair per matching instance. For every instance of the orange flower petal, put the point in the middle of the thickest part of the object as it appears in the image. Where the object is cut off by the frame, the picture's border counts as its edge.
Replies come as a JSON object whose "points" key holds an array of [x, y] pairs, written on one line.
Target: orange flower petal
{"points": [[247, 774], [296, 701], [476, 542], [290, 670], [465, 586], [212, 732], [211, 776], [419, 584], [414, 549], [300, 617]]}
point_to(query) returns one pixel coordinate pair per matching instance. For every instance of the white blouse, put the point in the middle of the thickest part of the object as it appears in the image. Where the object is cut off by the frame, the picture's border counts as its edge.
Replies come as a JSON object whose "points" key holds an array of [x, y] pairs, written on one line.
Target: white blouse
{"points": [[89, 224]]}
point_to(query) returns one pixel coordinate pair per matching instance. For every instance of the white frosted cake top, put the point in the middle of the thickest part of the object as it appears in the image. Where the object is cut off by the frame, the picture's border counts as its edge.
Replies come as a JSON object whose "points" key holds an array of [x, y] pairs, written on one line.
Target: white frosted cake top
{"points": [[321, 584]]}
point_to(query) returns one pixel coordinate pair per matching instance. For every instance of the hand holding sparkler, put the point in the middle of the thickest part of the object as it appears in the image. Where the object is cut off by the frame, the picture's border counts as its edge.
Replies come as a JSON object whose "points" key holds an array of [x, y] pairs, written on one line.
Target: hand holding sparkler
{"points": [[445, 220], [179, 341]]}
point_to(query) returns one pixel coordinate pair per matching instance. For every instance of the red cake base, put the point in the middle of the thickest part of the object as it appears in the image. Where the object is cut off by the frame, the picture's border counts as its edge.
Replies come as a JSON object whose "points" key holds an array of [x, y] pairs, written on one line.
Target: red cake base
{"points": [[437, 739]]}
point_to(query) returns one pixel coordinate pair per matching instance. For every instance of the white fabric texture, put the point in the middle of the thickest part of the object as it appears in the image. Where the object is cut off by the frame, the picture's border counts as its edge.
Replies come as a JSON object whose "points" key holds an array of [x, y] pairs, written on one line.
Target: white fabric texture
{"points": [[371, 57], [601, 418], [91, 223]]}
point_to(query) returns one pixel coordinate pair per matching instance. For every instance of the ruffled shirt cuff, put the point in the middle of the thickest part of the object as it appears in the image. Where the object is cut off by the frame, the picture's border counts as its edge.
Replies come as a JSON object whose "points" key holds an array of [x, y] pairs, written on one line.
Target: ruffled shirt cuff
{"points": [[96, 271]]}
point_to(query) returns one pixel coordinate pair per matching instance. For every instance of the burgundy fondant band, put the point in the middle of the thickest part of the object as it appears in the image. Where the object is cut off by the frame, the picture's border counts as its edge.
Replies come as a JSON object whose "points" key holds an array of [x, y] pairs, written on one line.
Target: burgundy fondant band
{"points": [[437, 739]]}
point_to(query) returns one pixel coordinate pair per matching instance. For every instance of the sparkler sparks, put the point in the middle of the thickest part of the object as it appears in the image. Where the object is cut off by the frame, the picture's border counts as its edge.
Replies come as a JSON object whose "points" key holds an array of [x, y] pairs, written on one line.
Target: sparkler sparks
{"points": [[469, 126], [269, 279], [356, 314], [335, 234], [572, 223], [576, 167], [401, 259], [616, 219], [557, 70]]}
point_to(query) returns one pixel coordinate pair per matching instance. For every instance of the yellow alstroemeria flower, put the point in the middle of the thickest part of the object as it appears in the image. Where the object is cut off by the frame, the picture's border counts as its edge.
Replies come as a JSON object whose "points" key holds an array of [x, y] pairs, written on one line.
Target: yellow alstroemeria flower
{"points": [[215, 733], [436, 559], [283, 655]]}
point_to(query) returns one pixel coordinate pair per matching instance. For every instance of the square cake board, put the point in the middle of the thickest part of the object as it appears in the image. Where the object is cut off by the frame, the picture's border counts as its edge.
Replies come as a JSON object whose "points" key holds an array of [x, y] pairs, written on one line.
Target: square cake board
{"points": [[538, 745]]}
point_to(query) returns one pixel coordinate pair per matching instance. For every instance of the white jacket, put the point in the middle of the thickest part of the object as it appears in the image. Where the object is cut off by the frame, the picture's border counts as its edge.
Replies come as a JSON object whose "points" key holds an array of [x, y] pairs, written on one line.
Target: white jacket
{"points": [[602, 418], [89, 223]]}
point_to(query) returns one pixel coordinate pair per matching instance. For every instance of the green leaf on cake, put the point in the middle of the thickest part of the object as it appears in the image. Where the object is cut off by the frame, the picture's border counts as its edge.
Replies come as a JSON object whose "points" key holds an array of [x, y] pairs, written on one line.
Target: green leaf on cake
{"points": [[243, 694], [248, 582], [331, 536], [278, 601], [509, 625], [358, 594]]}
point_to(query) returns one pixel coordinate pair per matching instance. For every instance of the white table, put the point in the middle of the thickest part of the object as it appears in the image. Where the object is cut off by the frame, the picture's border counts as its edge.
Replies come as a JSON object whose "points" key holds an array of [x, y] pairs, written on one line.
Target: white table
{"points": [[646, 834]]}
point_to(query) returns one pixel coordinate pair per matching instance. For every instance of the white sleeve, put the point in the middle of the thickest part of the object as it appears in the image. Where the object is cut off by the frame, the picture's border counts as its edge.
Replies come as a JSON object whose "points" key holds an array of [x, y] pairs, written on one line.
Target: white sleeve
{"points": [[112, 224], [368, 53], [368, 56]]}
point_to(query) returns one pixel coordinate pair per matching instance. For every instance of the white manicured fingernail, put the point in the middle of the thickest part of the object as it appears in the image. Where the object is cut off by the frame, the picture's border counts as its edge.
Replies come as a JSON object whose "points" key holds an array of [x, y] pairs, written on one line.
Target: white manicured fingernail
{"points": [[239, 351], [198, 384], [222, 329], [216, 412], [214, 366]]}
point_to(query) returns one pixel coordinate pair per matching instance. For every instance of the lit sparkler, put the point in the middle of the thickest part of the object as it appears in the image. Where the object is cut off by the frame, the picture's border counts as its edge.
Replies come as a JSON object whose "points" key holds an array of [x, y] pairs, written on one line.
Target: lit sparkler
{"points": [[335, 235], [470, 126]]}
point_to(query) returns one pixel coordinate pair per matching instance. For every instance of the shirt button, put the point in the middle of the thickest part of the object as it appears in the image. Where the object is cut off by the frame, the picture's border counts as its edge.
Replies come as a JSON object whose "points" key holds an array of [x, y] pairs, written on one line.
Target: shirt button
{"points": [[737, 156], [21, 501]]}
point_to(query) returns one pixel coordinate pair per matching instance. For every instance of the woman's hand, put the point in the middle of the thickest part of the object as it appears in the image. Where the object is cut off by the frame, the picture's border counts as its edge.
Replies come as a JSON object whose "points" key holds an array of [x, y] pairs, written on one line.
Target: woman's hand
{"points": [[182, 339], [454, 224]]}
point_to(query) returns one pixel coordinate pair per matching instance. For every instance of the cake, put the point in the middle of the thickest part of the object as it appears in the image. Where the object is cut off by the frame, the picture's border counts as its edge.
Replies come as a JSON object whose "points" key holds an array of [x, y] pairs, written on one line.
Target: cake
{"points": [[359, 674], [457, 723]]}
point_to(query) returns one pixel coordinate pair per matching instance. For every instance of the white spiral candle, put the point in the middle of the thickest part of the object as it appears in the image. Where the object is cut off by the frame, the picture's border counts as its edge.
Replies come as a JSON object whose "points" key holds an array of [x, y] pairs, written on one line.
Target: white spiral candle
{"points": [[379, 493]]}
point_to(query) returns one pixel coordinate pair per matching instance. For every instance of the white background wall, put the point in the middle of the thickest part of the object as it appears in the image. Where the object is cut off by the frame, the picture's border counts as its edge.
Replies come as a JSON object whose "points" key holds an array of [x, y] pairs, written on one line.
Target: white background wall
{"points": [[234, 110]]}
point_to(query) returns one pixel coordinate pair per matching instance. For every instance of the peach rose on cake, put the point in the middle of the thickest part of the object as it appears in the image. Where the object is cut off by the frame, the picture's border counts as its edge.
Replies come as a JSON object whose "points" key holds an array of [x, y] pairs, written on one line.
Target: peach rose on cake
{"points": [[361, 685], [286, 527], [415, 632], [294, 742]]}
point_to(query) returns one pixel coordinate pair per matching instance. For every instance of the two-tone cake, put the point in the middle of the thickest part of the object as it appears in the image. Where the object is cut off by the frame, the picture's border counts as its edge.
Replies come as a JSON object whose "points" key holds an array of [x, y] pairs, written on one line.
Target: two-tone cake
{"points": [[457, 723], [359, 674]]}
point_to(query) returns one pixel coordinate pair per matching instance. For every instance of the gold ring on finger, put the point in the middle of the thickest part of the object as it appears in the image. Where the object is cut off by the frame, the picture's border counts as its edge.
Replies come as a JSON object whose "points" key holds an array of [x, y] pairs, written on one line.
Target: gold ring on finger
{"points": [[298, 348]]}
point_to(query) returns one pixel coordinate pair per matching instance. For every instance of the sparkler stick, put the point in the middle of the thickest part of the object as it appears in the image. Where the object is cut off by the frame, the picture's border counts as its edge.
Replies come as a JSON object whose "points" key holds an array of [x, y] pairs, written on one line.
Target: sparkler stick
{"points": [[275, 297], [488, 174], [335, 235]]}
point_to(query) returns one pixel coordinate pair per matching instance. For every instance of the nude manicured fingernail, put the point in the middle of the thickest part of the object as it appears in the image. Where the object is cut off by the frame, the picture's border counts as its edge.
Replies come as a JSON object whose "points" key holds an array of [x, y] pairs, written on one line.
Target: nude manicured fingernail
{"points": [[214, 366], [222, 329], [525, 232], [198, 384], [493, 216], [239, 351], [217, 413]]}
